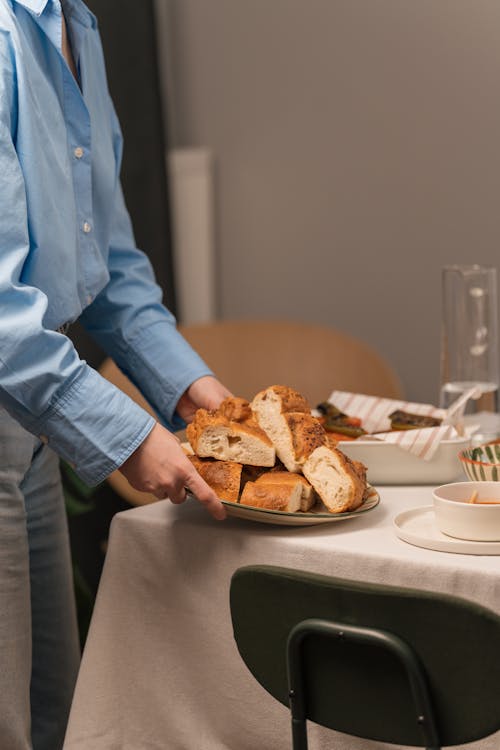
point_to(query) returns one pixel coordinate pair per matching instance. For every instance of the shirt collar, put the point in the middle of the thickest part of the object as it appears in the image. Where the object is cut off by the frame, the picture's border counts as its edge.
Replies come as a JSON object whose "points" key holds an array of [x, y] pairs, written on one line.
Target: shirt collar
{"points": [[34, 6], [78, 9]]}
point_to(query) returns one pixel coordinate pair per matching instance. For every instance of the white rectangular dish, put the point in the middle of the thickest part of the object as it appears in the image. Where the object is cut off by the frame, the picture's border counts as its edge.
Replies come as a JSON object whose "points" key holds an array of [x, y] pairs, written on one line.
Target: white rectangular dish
{"points": [[389, 464]]}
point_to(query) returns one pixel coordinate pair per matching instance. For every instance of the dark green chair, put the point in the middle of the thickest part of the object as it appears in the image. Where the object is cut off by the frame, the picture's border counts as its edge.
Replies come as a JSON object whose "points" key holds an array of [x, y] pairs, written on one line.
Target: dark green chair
{"points": [[380, 662]]}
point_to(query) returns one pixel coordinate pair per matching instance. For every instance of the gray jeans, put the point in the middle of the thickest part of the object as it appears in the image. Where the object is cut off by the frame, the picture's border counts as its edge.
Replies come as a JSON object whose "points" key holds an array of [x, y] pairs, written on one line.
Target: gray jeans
{"points": [[39, 650]]}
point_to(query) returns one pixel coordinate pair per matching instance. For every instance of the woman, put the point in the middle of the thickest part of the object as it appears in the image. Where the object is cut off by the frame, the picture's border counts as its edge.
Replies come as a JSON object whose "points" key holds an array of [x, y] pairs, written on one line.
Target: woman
{"points": [[67, 251]]}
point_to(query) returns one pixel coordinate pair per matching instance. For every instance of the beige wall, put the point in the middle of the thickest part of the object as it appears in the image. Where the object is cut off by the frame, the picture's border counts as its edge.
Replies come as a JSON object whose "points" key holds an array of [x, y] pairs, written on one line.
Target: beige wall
{"points": [[357, 145]]}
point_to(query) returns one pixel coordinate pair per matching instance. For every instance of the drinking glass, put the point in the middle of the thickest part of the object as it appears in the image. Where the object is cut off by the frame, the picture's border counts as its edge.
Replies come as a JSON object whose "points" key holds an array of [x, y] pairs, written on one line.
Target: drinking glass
{"points": [[469, 344]]}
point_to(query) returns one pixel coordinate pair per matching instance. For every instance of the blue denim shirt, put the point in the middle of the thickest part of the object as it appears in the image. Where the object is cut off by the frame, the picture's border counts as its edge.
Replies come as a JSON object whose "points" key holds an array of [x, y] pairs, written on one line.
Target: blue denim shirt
{"points": [[67, 251]]}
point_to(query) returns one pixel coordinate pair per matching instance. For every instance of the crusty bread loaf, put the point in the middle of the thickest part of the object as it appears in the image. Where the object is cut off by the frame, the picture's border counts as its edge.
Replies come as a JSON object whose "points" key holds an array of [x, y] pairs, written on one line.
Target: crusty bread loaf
{"points": [[272, 496], [212, 435], [335, 478], [285, 417], [224, 477], [287, 479]]}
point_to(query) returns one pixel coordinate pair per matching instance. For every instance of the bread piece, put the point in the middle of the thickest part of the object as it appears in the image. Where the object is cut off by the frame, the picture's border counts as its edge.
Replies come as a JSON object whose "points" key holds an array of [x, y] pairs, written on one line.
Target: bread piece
{"points": [[273, 497], [282, 398], [235, 409], [287, 479], [224, 477], [360, 469], [186, 447], [335, 478], [252, 473], [285, 417], [306, 433], [331, 440], [212, 435]]}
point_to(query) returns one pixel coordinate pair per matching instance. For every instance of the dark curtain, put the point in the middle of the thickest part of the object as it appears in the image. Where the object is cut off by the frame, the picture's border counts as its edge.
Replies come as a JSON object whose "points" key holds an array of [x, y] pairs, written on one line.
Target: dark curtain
{"points": [[128, 34], [127, 30]]}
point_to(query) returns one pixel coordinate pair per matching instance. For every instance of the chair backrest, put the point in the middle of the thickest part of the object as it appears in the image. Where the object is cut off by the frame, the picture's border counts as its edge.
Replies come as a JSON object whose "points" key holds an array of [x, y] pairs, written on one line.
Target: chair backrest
{"points": [[354, 687], [249, 355]]}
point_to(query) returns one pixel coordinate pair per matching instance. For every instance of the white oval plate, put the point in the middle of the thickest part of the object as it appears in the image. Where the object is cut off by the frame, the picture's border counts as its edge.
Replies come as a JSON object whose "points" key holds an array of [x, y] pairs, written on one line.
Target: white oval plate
{"points": [[418, 527], [282, 518]]}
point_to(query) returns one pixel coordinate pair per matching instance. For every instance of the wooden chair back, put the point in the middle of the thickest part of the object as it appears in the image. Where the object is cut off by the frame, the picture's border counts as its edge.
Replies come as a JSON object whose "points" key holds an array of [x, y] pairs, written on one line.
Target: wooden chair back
{"points": [[249, 355]]}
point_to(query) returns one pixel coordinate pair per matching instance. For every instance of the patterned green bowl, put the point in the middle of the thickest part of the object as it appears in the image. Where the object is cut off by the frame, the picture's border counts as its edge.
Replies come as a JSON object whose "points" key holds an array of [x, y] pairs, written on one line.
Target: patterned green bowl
{"points": [[482, 464]]}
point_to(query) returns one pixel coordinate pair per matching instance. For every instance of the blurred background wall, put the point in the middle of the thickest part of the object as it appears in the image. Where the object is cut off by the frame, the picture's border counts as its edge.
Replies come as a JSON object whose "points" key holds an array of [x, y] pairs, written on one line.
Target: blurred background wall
{"points": [[356, 150]]}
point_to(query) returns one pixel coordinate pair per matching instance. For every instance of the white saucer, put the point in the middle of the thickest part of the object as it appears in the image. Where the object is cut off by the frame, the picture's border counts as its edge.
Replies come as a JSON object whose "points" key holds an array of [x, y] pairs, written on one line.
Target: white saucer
{"points": [[417, 526]]}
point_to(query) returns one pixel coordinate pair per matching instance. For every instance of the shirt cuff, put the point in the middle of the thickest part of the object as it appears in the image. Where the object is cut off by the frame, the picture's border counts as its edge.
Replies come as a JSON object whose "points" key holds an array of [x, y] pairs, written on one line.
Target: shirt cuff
{"points": [[93, 426], [163, 365]]}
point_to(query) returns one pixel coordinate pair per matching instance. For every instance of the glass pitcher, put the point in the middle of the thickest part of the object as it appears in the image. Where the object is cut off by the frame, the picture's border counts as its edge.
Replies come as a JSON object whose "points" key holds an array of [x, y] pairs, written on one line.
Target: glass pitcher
{"points": [[469, 344]]}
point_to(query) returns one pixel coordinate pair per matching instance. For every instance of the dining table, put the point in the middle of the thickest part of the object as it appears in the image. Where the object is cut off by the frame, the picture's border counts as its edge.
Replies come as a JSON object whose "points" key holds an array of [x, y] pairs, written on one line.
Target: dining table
{"points": [[160, 668]]}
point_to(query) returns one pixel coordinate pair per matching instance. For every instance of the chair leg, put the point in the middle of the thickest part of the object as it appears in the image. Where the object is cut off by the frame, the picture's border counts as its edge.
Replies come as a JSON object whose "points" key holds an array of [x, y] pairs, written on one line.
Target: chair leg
{"points": [[299, 735]]}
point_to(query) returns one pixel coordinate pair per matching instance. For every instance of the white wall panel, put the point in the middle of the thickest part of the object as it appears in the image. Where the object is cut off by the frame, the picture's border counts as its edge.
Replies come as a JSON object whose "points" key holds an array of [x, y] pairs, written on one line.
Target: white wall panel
{"points": [[358, 151]]}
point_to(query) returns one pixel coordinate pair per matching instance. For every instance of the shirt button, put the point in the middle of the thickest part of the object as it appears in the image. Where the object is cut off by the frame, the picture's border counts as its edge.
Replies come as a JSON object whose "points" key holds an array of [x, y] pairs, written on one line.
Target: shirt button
{"points": [[86, 227], [78, 152], [89, 299]]}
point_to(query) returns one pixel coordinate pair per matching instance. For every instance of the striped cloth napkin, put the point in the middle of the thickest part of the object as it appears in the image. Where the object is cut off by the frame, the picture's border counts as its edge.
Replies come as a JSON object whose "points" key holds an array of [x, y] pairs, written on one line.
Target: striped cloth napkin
{"points": [[374, 414]]}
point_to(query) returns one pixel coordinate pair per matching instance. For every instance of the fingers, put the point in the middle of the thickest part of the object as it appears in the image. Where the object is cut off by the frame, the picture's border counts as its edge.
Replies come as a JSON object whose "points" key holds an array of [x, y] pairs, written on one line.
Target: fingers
{"points": [[160, 467], [206, 496], [176, 496], [175, 491], [206, 392]]}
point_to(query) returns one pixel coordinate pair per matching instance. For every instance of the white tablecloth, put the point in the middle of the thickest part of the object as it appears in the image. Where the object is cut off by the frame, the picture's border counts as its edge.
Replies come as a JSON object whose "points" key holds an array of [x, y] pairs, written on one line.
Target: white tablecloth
{"points": [[160, 668]]}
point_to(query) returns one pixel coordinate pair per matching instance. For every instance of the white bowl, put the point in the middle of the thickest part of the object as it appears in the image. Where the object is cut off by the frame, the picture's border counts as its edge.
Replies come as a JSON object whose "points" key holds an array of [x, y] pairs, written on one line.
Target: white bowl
{"points": [[389, 464], [459, 518]]}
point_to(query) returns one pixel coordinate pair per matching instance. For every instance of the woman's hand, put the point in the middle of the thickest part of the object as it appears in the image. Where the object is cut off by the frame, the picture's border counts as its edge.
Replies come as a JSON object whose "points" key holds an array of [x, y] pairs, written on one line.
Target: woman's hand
{"points": [[205, 393], [160, 466]]}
